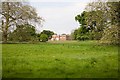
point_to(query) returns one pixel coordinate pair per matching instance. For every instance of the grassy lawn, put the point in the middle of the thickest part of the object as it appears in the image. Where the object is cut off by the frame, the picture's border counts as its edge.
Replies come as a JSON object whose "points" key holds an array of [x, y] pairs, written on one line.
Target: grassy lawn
{"points": [[60, 60]]}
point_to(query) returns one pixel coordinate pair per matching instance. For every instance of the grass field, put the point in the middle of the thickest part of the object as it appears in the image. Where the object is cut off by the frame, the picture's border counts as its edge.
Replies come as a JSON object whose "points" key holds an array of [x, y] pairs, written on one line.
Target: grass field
{"points": [[60, 60]]}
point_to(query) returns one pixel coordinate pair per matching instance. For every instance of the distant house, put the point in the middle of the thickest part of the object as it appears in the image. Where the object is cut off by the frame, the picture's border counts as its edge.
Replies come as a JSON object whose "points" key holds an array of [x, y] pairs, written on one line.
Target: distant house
{"points": [[62, 37], [55, 37]]}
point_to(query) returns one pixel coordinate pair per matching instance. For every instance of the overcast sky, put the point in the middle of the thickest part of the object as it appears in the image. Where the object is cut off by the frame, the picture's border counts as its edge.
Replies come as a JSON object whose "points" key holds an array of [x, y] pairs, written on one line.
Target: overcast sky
{"points": [[59, 15]]}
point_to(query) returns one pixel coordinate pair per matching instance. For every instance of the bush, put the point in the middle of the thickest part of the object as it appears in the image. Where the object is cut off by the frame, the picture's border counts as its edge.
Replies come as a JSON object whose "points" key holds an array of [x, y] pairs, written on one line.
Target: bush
{"points": [[43, 37]]}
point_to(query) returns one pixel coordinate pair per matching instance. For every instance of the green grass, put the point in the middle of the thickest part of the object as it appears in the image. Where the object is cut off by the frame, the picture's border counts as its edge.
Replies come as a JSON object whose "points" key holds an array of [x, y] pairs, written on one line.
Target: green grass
{"points": [[60, 60]]}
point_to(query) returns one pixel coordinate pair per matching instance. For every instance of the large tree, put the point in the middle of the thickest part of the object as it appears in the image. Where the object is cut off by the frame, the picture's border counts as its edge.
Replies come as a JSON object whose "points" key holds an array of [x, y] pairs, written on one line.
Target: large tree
{"points": [[82, 32], [107, 17], [103, 19], [112, 32], [22, 33], [103, 12], [16, 13]]}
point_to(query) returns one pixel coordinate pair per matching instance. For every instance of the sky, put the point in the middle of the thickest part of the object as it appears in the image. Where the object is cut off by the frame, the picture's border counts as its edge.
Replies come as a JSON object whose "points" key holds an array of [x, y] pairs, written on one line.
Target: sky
{"points": [[59, 15]]}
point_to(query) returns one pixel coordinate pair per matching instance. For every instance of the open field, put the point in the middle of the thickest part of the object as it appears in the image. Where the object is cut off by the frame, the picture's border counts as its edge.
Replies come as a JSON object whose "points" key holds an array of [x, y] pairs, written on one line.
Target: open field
{"points": [[60, 60]]}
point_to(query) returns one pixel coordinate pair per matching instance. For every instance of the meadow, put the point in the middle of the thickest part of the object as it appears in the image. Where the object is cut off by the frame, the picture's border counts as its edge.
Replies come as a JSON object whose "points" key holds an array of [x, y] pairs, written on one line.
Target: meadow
{"points": [[71, 59]]}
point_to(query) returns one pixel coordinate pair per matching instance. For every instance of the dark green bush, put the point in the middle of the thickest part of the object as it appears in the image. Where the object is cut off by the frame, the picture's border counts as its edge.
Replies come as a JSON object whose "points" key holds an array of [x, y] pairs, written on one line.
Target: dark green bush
{"points": [[43, 37]]}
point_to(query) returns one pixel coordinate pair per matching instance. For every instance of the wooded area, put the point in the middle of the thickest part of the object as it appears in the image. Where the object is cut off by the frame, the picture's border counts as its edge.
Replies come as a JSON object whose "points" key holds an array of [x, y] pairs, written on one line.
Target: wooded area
{"points": [[100, 21]]}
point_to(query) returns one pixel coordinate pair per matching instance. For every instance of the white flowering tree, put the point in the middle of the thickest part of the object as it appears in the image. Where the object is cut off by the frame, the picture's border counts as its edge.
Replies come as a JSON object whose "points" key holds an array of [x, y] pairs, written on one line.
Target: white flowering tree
{"points": [[16, 13]]}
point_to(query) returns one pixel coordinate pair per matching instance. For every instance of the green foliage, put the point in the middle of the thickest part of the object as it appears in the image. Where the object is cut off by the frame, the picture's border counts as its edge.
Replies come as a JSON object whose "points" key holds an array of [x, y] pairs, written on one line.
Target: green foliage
{"points": [[94, 35], [43, 37], [23, 33], [98, 18], [81, 18], [82, 37], [84, 59], [114, 12], [16, 13], [48, 33], [74, 34], [110, 35], [106, 16], [89, 28], [81, 33]]}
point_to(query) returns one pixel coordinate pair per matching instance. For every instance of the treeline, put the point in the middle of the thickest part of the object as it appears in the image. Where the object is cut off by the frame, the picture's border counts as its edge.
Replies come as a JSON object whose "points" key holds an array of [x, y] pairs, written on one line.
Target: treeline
{"points": [[100, 21], [27, 33]]}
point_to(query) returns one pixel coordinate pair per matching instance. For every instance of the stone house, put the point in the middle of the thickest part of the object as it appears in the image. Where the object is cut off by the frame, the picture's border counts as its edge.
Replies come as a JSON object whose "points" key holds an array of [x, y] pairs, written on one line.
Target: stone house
{"points": [[62, 37]]}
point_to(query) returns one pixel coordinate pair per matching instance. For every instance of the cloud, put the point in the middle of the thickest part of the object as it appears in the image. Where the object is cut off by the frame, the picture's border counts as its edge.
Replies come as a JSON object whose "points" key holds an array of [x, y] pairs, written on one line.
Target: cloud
{"points": [[60, 18]]}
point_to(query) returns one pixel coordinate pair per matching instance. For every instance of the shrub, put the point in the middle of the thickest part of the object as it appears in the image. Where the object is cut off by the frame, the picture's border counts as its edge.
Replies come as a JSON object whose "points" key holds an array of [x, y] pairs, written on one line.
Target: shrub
{"points": [[43, 37]]}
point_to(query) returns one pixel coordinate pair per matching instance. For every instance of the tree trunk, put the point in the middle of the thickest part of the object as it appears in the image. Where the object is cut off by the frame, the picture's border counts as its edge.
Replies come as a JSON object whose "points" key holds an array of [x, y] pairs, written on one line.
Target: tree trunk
{"points": [[5, 37], [5, 32]]}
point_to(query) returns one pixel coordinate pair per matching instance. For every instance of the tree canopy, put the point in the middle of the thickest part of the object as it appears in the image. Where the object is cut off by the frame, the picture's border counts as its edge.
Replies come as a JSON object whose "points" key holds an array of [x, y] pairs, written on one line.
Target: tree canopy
{"points": [[23, 33], [48, 33], [100, 20]]}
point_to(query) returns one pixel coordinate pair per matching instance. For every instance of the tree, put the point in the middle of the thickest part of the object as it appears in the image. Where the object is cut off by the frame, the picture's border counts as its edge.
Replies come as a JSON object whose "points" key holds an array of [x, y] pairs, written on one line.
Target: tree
{"points": [[110, 35], [48, 33], [81, 18], [82, 32], [74, 34], [23, 33], [43, 37], [0, 36], [102, 18], [97, 18], [114, 11], [16, 13]]}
